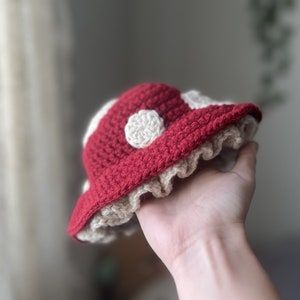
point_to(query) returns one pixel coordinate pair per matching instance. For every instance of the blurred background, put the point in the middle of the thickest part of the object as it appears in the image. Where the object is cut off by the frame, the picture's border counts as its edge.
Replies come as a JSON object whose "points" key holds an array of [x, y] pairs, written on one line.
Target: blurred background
{"points": [[60, 60]]}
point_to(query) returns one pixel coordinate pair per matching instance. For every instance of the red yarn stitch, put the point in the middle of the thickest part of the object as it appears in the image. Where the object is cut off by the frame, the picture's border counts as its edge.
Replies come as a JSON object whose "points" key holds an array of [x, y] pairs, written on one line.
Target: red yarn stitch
{"points": [[115, 168]]}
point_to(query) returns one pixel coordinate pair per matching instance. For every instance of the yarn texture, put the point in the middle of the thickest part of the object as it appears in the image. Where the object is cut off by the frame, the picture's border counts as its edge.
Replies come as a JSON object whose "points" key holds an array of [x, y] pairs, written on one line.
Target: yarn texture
{"points": [[143, 127], [138, 143]]}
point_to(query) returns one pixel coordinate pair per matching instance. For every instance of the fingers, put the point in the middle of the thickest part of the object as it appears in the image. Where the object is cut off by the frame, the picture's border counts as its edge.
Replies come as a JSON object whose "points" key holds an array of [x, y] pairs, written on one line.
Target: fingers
{"points": [[246, 161]]}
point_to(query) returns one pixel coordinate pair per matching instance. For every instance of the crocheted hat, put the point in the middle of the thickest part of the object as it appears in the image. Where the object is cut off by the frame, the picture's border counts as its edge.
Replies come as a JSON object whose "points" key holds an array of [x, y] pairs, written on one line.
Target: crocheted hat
{"points": [[137, 143]]}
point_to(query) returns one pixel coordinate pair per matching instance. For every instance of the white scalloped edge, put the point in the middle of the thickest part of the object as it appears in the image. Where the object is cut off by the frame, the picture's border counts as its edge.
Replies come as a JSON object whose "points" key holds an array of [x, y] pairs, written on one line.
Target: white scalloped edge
{"points": [[118, 217]]}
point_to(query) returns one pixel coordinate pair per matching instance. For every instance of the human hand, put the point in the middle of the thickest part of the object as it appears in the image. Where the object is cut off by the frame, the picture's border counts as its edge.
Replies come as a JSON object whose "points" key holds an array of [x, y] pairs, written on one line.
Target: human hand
{"points": [[210, 201]]}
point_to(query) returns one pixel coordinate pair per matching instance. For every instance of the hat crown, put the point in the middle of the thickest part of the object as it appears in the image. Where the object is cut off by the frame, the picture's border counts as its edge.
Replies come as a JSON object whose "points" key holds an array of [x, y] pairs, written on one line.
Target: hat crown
{"points": [[147, 131], [108, 144]]}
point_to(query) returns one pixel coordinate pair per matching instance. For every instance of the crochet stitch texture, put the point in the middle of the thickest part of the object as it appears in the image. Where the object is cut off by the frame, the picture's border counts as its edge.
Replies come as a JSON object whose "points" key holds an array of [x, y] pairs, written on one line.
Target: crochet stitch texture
{"points": [[140, 141]]}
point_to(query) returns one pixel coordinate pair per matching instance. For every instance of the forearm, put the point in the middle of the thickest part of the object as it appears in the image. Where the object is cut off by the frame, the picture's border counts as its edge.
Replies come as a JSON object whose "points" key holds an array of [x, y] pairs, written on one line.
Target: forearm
{"points": [[221, 265]]}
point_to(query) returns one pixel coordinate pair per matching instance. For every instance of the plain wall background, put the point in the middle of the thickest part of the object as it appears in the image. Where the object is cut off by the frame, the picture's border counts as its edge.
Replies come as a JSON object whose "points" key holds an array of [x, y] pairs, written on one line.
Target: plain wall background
{"points": [[206, 45]]}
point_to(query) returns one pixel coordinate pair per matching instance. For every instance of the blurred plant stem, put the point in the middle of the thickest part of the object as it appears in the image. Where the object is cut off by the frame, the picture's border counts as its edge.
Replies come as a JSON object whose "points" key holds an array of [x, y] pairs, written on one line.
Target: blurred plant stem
{"points": [[273, 32]]}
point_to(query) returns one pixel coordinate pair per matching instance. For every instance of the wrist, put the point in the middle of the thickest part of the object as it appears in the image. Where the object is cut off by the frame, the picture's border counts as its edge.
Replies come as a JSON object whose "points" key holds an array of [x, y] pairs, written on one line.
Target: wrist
{"points": [[220, 265], [210, 247]]}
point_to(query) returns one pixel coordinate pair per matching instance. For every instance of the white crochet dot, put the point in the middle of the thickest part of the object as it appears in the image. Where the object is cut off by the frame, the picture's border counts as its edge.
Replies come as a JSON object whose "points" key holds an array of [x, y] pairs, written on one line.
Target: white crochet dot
{"points": [[196, 100], [93, 124], [85, 186], [143, 127]]}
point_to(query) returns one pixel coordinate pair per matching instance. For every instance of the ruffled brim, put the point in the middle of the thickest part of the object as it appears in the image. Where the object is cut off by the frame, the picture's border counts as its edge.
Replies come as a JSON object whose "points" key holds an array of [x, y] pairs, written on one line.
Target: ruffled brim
{"points": [[118, 217]]}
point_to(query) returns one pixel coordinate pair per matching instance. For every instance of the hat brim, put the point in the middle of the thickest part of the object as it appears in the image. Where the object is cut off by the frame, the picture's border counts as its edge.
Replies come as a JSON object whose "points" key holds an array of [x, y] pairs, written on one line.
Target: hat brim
{"points": [[177, 142]]}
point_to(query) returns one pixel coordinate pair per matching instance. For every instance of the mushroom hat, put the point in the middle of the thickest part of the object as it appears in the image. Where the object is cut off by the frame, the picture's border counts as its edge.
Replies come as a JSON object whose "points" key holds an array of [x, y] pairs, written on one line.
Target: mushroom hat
{"points": [[137, 143]]}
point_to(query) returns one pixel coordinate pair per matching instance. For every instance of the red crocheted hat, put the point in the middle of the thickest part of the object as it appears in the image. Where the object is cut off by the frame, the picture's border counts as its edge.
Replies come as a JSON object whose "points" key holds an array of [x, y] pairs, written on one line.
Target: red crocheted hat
{"points": [[137, 143]]}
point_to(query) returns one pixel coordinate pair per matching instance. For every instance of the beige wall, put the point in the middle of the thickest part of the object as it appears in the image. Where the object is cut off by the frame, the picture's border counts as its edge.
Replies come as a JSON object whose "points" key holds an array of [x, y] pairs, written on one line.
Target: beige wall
{"points": [[276, 210]]}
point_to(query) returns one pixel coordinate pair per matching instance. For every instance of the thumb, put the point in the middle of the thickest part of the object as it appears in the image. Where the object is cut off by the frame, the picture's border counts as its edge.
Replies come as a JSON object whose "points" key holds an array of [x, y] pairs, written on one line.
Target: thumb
{"points": [[246, 161]]}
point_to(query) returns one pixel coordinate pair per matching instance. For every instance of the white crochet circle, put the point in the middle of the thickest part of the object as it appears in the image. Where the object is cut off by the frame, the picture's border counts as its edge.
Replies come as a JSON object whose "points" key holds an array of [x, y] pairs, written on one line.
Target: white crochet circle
{"points": [[96, 120], [143, 127], [85, 186], [195, 100]]}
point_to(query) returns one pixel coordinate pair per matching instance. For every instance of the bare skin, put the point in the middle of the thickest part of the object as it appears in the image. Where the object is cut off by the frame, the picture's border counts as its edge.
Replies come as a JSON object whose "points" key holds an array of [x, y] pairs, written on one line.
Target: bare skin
{"points": [[199, 234]]}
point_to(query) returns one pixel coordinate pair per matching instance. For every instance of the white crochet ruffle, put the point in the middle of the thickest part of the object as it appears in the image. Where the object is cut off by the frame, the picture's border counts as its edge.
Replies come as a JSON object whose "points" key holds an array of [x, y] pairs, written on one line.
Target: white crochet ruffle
{"points": [[119, 217]]}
